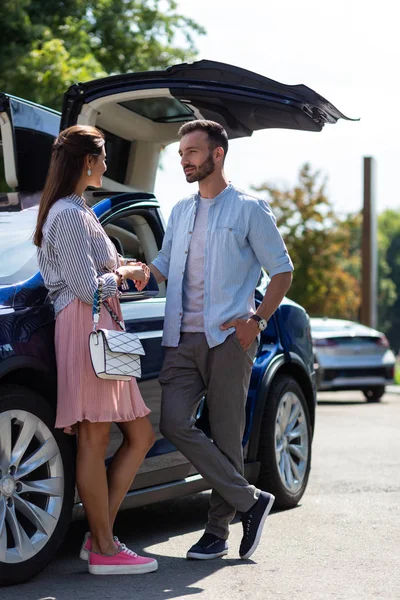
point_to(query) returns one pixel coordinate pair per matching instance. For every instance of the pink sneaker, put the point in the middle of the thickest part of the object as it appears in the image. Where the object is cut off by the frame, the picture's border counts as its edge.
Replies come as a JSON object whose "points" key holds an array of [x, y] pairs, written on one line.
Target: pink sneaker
{"points": [[86, 547], [125, 562]]}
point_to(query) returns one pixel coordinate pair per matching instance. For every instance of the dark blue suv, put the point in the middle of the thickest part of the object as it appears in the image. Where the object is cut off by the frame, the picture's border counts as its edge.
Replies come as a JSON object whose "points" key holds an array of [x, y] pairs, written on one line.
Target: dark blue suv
{"points": [[139, 113]]}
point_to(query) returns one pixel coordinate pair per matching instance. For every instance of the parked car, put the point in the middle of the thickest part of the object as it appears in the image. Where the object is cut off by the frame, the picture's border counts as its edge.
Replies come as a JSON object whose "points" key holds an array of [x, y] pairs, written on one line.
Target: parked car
{"points": [[351, 356], [140, 113]]}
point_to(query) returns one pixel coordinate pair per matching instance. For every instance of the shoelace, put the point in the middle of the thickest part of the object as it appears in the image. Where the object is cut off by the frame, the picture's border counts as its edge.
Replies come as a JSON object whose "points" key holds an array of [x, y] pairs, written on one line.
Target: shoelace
{"points": [[128, 551], [248, 525]]}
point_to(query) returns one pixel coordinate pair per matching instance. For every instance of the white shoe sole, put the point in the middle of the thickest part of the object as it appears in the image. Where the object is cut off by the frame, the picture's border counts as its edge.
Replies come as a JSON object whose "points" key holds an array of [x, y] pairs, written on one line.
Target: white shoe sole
{"points": [[259, 530], [123, 569], [84, 554], [199, 556]]}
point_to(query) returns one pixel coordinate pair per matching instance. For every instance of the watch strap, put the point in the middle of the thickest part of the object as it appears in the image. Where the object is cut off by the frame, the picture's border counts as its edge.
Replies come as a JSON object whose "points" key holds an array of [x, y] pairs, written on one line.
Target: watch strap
{"points": [[256, 318]]}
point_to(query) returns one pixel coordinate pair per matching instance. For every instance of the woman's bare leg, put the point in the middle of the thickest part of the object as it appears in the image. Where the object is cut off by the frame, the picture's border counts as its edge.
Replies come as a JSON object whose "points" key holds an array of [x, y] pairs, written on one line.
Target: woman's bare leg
{"points": [[92, 484], [138, 439]]}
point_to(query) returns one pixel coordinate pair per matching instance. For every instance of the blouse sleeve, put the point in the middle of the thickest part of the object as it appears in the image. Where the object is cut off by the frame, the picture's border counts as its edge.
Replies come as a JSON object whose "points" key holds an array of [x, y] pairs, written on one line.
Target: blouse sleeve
{"points": [[73, 247]]}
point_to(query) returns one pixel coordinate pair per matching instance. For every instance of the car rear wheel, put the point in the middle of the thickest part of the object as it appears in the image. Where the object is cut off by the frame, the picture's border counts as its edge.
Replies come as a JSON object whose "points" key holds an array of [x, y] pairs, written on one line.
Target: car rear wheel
{"points": [[374, 394], [285, 442], [36, 484]]}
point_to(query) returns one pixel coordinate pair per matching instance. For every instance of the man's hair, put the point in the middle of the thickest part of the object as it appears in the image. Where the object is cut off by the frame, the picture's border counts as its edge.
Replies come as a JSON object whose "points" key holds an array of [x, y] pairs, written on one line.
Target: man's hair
{"points": [[216, 133]]}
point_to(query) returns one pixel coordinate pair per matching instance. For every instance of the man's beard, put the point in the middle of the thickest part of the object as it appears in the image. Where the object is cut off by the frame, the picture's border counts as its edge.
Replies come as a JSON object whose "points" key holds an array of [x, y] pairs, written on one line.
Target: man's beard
{"points": [[203, 171]]}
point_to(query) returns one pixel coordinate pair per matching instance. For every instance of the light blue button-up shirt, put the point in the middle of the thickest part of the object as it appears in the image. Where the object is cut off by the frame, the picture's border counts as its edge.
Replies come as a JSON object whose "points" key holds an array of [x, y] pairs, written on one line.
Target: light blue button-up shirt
{"points": [[241, 237]]}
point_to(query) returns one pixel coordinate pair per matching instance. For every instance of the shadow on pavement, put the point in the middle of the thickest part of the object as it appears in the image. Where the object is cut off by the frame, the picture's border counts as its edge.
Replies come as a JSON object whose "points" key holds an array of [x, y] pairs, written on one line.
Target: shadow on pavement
{"points": [[66, 578], [351, 398], [340, 402]]}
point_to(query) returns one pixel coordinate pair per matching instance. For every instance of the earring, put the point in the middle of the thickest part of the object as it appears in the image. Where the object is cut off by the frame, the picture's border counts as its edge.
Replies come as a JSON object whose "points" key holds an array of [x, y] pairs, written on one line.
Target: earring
{"points": [[89, 172]]}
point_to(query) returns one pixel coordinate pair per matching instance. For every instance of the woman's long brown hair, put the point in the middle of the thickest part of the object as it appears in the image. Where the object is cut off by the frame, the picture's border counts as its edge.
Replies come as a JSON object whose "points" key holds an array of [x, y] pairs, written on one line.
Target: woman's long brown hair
{"points": [[69, 152]]}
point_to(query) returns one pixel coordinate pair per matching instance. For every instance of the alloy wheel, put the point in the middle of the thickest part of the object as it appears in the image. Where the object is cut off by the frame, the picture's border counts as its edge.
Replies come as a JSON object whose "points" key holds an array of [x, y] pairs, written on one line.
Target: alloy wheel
{"points": [[291, 441], [31, 485]]}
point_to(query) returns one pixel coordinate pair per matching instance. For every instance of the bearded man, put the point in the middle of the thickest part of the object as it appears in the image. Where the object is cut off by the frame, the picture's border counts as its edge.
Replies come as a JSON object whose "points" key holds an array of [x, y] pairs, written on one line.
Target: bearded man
{"points": [[216, 243]]}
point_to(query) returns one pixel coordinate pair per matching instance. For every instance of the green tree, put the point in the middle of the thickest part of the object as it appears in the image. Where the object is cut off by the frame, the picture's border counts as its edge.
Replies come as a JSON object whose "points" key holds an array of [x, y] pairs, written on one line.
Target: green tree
{"points": [[389, 276], [324, 247], [46, 45]]}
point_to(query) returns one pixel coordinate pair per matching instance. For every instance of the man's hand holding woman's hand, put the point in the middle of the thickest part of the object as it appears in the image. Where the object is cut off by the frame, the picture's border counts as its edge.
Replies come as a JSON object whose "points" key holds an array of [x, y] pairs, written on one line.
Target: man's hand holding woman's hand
{"points": [[138, 272]]}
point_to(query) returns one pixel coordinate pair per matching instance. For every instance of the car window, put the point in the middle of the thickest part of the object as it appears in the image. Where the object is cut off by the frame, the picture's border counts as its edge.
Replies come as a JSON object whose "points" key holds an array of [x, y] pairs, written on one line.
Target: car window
{"points": [[17, 251]]}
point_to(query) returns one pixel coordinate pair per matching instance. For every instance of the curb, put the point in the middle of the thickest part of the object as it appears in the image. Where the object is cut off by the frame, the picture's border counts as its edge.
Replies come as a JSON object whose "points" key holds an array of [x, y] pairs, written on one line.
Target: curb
{"points": [[392, 389]]}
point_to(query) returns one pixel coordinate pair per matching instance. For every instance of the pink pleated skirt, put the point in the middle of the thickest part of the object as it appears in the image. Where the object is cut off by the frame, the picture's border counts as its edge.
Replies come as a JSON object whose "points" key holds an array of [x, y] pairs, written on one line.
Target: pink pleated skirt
{"points": [[81, 395]]}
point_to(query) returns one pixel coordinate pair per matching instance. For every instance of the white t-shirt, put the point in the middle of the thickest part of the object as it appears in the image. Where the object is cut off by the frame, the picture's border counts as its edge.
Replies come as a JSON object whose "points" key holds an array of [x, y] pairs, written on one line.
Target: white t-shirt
{"points": [[193, 281]]}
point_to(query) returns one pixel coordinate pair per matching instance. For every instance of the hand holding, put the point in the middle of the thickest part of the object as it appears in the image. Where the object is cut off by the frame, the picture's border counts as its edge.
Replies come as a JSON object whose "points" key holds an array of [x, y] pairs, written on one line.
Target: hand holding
{"points": [[140, 275]]}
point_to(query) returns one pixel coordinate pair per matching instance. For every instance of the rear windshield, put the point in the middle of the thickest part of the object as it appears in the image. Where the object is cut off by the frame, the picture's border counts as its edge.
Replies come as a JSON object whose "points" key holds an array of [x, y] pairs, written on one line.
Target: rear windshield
{"points": [[17, 251]]}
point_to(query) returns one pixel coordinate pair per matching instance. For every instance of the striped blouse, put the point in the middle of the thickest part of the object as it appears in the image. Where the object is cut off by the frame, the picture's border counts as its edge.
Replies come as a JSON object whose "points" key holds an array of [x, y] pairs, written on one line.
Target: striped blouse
{"points": [[75, 253]]}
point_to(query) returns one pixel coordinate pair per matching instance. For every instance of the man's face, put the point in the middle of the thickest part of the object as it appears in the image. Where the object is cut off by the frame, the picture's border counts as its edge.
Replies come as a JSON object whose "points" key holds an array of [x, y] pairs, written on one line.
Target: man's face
{"points": [[196, 155]]}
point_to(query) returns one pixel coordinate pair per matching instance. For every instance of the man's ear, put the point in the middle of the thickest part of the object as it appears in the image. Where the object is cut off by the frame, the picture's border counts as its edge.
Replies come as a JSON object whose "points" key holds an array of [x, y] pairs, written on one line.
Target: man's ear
{"points": [[219, 153]]}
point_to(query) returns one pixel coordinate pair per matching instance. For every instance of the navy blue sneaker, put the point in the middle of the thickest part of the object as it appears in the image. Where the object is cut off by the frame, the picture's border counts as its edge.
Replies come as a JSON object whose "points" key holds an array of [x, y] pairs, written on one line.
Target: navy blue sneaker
{"points": [[253, 523], [208, 546]]}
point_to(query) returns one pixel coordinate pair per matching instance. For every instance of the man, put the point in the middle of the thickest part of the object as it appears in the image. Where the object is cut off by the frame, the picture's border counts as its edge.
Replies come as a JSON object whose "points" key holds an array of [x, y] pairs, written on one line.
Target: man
{"points": [[215, 244]]}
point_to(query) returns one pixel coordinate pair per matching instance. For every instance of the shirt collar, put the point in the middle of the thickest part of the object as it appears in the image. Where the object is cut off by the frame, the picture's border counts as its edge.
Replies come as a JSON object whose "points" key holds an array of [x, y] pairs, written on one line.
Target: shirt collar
{"points": [[78, 199], [219, 196]]}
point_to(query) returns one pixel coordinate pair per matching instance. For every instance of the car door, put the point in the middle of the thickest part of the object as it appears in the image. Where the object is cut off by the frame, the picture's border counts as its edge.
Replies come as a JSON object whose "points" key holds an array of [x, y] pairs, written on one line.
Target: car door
{"points": [[27, 131], [135, 226], [141, 113]]}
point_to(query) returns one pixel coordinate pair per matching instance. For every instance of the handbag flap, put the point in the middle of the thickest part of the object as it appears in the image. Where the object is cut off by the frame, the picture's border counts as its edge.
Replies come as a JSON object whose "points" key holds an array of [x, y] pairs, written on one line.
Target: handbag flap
{"points": [[123, 342]]}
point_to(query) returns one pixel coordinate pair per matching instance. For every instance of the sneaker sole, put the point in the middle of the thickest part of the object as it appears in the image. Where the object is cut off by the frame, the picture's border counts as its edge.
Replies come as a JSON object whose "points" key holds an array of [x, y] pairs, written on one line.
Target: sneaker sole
{"points": [[84, 554], [123, 569], [198, 556], [259, 530]]}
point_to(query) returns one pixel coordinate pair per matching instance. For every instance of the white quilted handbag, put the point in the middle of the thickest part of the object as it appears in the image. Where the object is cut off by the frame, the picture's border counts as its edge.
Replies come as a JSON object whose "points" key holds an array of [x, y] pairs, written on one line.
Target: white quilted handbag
{"points": [[114, 354]]}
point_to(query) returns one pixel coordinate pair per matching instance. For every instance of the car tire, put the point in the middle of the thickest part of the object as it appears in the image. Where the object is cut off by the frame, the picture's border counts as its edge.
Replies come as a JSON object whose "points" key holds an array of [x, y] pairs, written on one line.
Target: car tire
{"points": [[37, 489], [374, 394], [284, 449]]}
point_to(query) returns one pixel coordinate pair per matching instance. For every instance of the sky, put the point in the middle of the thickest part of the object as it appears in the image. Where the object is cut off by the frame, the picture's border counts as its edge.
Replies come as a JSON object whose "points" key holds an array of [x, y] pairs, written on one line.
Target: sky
{"points": [[347, 51]]}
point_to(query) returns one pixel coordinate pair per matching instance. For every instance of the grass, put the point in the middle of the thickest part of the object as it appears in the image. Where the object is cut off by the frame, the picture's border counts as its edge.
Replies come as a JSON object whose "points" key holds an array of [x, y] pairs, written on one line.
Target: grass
{"points": [[397, 374]]}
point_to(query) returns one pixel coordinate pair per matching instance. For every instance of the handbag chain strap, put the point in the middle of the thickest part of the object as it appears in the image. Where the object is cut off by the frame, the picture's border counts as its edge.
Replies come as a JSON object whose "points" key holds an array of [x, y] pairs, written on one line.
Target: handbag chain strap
{"points": [[97, 302]]}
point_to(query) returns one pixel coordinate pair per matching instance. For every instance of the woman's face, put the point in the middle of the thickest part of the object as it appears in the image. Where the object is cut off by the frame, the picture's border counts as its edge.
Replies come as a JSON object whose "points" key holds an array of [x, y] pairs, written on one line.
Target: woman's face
{"points": [[98, 167]]}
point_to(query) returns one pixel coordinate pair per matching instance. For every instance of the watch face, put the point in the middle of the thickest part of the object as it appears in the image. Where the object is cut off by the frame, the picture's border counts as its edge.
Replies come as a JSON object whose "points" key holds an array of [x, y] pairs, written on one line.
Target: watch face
{"points": [[262, 324]]}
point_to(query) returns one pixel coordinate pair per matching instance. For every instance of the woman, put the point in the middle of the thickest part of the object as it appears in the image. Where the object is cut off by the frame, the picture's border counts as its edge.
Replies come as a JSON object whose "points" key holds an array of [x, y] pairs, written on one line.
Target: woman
{"points": [[74, 255]]}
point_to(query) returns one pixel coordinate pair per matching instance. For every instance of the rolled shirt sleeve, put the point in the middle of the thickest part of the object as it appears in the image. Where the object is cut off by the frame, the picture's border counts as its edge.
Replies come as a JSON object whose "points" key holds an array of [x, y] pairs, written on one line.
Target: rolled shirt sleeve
{"points": [[162, 261], [73, 247], [266, 240]]}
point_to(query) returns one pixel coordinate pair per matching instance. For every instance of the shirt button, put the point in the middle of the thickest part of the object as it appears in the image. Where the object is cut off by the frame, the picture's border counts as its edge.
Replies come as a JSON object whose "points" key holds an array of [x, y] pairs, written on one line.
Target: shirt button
{"points": [[180, 314], [230, 228], [186, 251], [183, 272], [190, 232]]}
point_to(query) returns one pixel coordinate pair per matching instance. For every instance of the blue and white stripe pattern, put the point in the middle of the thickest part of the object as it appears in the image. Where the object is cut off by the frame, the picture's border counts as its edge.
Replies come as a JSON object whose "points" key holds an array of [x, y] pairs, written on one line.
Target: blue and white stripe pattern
{"points": [[75, 253], [241, 237]]}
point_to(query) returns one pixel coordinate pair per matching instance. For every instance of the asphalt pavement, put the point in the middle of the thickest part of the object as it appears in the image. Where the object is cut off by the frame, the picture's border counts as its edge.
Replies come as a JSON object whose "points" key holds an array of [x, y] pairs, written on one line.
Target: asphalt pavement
{"points": [[341, 542]]}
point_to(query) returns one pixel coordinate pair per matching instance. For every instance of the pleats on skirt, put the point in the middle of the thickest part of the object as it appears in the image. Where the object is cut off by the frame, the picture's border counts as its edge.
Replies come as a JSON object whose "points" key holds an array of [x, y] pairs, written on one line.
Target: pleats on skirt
{"points": [[81, 395]]}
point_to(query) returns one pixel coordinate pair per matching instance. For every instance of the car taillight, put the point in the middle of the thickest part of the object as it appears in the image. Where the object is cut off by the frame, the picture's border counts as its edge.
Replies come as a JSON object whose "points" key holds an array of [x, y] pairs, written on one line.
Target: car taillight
{"points": [[324, 342], [382, 341]]}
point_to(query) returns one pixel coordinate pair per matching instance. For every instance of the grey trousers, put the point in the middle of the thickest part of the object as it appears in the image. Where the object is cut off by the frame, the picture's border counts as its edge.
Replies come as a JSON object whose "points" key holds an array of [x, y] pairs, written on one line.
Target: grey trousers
{"points": [[189, 372]]}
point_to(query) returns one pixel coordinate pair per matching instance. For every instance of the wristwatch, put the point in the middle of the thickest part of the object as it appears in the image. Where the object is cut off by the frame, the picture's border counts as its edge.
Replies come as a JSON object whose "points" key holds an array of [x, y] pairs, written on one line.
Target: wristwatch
{"points": [[261, 322]]}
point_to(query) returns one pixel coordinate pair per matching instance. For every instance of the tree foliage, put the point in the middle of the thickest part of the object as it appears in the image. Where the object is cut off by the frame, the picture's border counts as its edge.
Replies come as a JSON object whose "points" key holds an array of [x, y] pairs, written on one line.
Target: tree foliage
{"points": [[389, 276], [324, 247], [46, 45]]}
